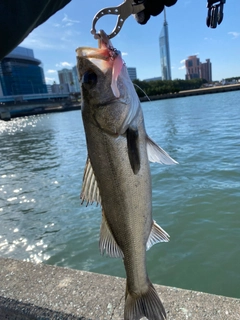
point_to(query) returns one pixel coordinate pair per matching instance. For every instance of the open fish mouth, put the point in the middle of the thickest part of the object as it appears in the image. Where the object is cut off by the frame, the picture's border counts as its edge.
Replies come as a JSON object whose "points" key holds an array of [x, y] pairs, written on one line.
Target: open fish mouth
{"points": [[104, 57]]}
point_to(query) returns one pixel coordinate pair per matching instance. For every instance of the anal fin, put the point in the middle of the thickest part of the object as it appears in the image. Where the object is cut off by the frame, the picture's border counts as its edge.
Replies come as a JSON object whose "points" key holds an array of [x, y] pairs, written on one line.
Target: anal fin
{"points": [[107, 243]]}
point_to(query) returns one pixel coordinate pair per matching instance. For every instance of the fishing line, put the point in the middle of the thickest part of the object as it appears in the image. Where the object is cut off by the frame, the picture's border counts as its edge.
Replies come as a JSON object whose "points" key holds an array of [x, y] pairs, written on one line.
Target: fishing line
{"points": [[142, 91]]}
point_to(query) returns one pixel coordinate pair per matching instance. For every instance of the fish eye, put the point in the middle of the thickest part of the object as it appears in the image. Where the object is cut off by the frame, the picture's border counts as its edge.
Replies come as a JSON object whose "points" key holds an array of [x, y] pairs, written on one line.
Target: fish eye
{"points": [[89, 78]]}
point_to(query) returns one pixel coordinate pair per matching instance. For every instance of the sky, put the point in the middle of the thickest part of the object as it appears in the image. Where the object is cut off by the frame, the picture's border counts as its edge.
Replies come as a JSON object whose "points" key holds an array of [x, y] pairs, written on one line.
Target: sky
{"points": [[55, 41]]}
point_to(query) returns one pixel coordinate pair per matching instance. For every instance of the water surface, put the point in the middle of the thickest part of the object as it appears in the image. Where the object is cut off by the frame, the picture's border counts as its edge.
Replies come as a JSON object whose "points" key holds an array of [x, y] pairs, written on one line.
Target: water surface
{"points": [[197, 202]]}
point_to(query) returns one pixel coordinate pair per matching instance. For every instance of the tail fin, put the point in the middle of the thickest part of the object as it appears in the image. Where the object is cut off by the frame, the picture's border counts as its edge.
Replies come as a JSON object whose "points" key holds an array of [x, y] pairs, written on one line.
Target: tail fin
{"points": [[147, 304]]}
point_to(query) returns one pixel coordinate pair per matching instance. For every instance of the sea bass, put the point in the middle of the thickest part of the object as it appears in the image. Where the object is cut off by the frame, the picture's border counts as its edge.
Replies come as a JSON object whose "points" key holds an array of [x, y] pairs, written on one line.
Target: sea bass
{"points": [[117, 172]]}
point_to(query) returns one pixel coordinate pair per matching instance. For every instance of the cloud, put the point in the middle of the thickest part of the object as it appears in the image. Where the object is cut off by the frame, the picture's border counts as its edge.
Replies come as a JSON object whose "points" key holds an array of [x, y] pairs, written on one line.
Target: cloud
{"points": [[208, 39], [68, 22], [67, 36], [44, 40], [124, 54], [182, 62], [234, 34], [49, 80], [181, 68], [37, 43], [51, 71], [64, 64]]}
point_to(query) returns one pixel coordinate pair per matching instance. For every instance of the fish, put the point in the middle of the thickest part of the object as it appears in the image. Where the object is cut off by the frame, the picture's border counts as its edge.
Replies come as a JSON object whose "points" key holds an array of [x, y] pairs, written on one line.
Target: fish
{"points": [[117, 172]]}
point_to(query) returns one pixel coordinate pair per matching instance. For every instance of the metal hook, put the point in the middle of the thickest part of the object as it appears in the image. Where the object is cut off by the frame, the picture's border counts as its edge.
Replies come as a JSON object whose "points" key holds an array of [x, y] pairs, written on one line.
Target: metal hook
{"points": [[123, 11]]}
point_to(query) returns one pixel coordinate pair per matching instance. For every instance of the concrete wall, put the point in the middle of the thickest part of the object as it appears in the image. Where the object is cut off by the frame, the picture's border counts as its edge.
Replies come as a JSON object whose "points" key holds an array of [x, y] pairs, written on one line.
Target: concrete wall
{"points": [[29, 291]]}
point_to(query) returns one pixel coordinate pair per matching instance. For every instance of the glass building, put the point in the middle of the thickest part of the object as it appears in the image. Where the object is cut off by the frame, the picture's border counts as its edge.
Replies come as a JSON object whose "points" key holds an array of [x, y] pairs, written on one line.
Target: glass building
{"points": [[132, 72], [76, 79], [21, 73], [164, 51]]}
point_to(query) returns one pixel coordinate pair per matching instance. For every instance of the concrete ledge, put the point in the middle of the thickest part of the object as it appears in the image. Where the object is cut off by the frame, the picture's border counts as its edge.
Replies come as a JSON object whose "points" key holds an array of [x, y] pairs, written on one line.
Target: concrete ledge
{"points": [[30, 291]]}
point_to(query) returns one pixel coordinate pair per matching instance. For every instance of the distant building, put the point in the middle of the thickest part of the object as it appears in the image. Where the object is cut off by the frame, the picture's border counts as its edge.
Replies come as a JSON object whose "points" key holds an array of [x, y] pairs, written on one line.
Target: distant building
{"points": [[21, 73], [69, 77], [193, 68], [1, 92], [76, 83], [60, 88], [197, 70], [66, 78], [206, 70], [153, 79], [49, 88], [165, 51], [132, 73]]}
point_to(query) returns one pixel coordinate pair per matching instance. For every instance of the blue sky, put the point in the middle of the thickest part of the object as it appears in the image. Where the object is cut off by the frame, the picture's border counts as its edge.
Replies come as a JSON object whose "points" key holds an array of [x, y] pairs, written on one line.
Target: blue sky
{"points": [[55, 41]]}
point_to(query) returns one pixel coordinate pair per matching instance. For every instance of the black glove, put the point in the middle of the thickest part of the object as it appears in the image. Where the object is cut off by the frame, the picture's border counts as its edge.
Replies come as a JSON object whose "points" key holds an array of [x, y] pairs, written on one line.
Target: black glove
{"points": [[152, 8]]}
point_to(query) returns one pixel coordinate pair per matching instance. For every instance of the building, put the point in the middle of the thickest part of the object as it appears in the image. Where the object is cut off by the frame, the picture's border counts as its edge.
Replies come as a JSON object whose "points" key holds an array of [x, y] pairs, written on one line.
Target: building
{"points": [[69, 77], [152, 79], [63, 88], [197, 70], [49, 88], [132, 73], [193, 68], [165, 51], [206, 70], [66, 78], [76, 77], [21, 73]]}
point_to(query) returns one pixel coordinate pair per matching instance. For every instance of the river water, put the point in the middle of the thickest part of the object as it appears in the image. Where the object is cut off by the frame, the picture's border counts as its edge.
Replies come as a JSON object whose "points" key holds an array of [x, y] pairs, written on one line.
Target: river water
{"points": [[197, 202]]}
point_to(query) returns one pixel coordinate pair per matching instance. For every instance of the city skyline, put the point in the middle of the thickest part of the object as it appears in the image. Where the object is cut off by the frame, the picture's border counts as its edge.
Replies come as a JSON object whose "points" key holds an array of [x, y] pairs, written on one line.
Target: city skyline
{"points": [[55, 41]]}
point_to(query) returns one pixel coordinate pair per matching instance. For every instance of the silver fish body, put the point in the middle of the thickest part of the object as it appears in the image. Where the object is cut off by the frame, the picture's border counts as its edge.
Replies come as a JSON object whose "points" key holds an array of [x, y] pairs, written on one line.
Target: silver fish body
{"points": [[117, 174]]}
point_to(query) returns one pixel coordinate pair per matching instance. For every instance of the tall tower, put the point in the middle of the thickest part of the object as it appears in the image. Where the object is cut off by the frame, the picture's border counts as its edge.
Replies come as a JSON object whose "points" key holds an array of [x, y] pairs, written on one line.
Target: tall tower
{"points": [[164, 51]]}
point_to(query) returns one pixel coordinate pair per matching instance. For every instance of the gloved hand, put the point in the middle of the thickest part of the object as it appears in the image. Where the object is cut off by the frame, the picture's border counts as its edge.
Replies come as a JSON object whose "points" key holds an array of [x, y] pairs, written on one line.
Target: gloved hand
{"points": [[152, 8]]}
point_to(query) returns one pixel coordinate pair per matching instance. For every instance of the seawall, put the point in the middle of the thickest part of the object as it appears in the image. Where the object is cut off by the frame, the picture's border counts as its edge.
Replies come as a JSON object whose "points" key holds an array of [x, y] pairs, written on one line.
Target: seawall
{"points": [[41, 292], [26, 109], [194, 92]]}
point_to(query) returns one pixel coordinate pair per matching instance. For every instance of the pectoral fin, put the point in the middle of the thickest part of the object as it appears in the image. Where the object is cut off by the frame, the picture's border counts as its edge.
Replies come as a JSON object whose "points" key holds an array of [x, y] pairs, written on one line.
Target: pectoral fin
{"points": [[90, 191], [157, 154], [107, 243], [157, 234], [133, 148]]}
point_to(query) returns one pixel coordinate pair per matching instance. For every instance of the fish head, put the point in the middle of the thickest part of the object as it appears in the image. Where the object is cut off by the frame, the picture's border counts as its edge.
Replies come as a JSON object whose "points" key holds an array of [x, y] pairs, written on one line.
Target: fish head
{"points": [[108, 96]]}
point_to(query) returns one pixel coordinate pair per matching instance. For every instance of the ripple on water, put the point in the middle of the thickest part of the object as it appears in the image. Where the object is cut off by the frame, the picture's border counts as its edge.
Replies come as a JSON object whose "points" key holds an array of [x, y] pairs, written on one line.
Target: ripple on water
{"points": [[196, 202]]}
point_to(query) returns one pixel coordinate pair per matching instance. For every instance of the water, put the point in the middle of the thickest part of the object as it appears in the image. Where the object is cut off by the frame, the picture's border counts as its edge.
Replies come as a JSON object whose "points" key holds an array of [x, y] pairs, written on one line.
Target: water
{"points": [[197, 202]]}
